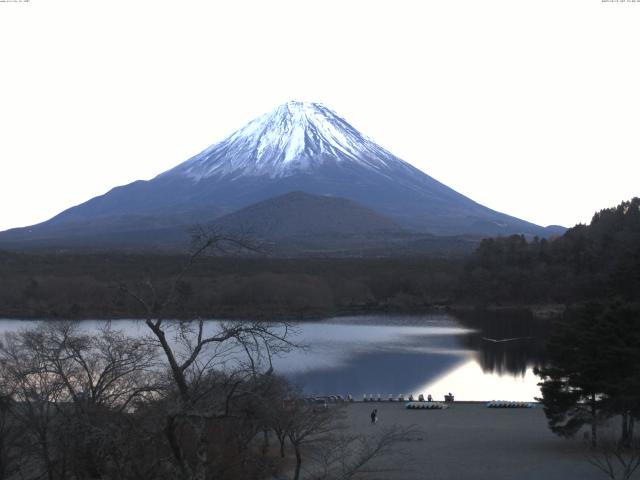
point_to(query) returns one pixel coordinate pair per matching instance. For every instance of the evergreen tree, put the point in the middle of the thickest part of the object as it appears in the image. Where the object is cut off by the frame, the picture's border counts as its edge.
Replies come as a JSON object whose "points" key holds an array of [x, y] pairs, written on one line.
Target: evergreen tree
{"points": [[593, 370]]}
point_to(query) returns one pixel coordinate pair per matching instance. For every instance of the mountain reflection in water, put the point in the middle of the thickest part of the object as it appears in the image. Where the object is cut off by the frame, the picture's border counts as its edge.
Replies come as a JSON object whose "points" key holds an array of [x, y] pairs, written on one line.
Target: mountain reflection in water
{"points": [[434, 354]]}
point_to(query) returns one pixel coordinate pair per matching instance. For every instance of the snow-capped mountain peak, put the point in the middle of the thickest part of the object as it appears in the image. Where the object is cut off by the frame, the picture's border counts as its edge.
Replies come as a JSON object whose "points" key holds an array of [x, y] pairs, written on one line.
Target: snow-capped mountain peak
{"points": [[296, 136], [298, 147]]}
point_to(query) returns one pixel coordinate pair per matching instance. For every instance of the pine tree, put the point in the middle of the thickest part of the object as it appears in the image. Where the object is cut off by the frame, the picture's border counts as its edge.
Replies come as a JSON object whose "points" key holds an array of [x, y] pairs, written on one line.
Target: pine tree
{"points": [[593, 370]]}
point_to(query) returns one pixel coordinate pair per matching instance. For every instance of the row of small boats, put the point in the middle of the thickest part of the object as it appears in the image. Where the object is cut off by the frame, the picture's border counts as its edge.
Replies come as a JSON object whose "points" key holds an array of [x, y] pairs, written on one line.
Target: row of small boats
{"points": [[426, 405], [392, 398], [509, 404]]}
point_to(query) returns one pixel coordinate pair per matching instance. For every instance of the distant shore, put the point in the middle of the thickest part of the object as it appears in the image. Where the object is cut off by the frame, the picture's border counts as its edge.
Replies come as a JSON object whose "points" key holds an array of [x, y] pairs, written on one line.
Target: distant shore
{"points": [[542, 311], [537, 311]]}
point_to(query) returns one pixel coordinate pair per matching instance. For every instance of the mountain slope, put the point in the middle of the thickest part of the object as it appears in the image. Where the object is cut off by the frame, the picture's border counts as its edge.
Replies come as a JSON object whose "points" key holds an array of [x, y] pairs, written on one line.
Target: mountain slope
{"points": [[300, 224], [301, 147]]}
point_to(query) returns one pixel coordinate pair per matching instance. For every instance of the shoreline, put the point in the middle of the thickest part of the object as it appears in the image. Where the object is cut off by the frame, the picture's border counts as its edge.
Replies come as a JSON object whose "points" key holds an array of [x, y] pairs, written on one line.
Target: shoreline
{"points": [[538, 311]]}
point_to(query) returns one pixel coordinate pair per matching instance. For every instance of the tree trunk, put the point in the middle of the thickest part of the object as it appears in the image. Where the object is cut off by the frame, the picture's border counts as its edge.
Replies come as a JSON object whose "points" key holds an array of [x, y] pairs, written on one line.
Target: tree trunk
{"points": [[174, 444], [625, 429], [46, 455], [298, 462], [48, 462], [178, 373], [201, 453], [594, 428]]}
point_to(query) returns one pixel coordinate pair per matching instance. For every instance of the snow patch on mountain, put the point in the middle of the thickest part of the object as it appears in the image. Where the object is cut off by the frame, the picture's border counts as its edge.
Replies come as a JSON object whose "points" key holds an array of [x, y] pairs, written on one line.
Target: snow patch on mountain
{"points": [[296, 136]]}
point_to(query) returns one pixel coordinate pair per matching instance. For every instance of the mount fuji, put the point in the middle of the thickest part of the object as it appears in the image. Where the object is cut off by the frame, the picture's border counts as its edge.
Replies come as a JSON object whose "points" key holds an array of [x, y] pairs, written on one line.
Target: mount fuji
{"points": [[298, 147]]}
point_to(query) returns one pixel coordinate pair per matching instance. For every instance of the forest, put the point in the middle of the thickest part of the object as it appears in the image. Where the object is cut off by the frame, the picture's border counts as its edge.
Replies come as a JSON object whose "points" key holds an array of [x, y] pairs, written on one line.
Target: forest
{"points": [[589, 262]]}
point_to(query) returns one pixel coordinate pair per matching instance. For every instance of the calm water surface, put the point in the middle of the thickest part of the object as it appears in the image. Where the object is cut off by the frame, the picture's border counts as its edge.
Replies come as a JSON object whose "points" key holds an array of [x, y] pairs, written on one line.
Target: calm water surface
{"points": [[474, 356]]}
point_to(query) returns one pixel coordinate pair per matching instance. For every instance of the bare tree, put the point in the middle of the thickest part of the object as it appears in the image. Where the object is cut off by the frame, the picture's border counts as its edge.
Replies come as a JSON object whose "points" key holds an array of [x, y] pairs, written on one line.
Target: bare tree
{"points": [[278, 417], [309, 424], [193, 349], [333, 453], [37, 394], [345, 456], [72, 390], [104, 369]]}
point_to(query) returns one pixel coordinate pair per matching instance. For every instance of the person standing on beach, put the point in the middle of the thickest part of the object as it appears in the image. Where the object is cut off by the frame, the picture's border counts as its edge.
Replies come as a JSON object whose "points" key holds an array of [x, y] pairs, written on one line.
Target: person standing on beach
{"points": [[374, 415]]}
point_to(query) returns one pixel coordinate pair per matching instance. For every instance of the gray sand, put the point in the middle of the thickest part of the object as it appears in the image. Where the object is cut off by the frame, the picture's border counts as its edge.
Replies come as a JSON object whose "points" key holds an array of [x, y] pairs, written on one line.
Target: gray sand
{"points": [[470, 441]]}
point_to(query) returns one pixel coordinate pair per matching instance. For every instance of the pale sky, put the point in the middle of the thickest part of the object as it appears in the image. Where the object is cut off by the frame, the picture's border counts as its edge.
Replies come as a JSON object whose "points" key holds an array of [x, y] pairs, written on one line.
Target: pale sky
{"points": [[528, 107]]}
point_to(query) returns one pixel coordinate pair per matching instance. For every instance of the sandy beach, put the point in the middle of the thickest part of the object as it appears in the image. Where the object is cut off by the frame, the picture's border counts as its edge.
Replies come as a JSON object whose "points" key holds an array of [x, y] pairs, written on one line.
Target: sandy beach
{"points": [[470, 441]]}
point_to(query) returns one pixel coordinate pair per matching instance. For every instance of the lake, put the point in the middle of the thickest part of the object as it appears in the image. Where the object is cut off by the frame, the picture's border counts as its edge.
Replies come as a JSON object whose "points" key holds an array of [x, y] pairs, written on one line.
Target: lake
{"points": [[475, 356]]}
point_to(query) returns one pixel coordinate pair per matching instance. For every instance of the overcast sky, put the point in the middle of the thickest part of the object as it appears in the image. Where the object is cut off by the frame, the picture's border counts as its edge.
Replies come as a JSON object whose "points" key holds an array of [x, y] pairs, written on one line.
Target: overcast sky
{"points": [[528, 107]]}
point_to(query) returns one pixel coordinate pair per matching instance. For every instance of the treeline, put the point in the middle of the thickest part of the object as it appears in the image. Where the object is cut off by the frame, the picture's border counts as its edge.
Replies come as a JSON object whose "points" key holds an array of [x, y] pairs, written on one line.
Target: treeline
{"points": [[87, 286], [600, 261]]}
